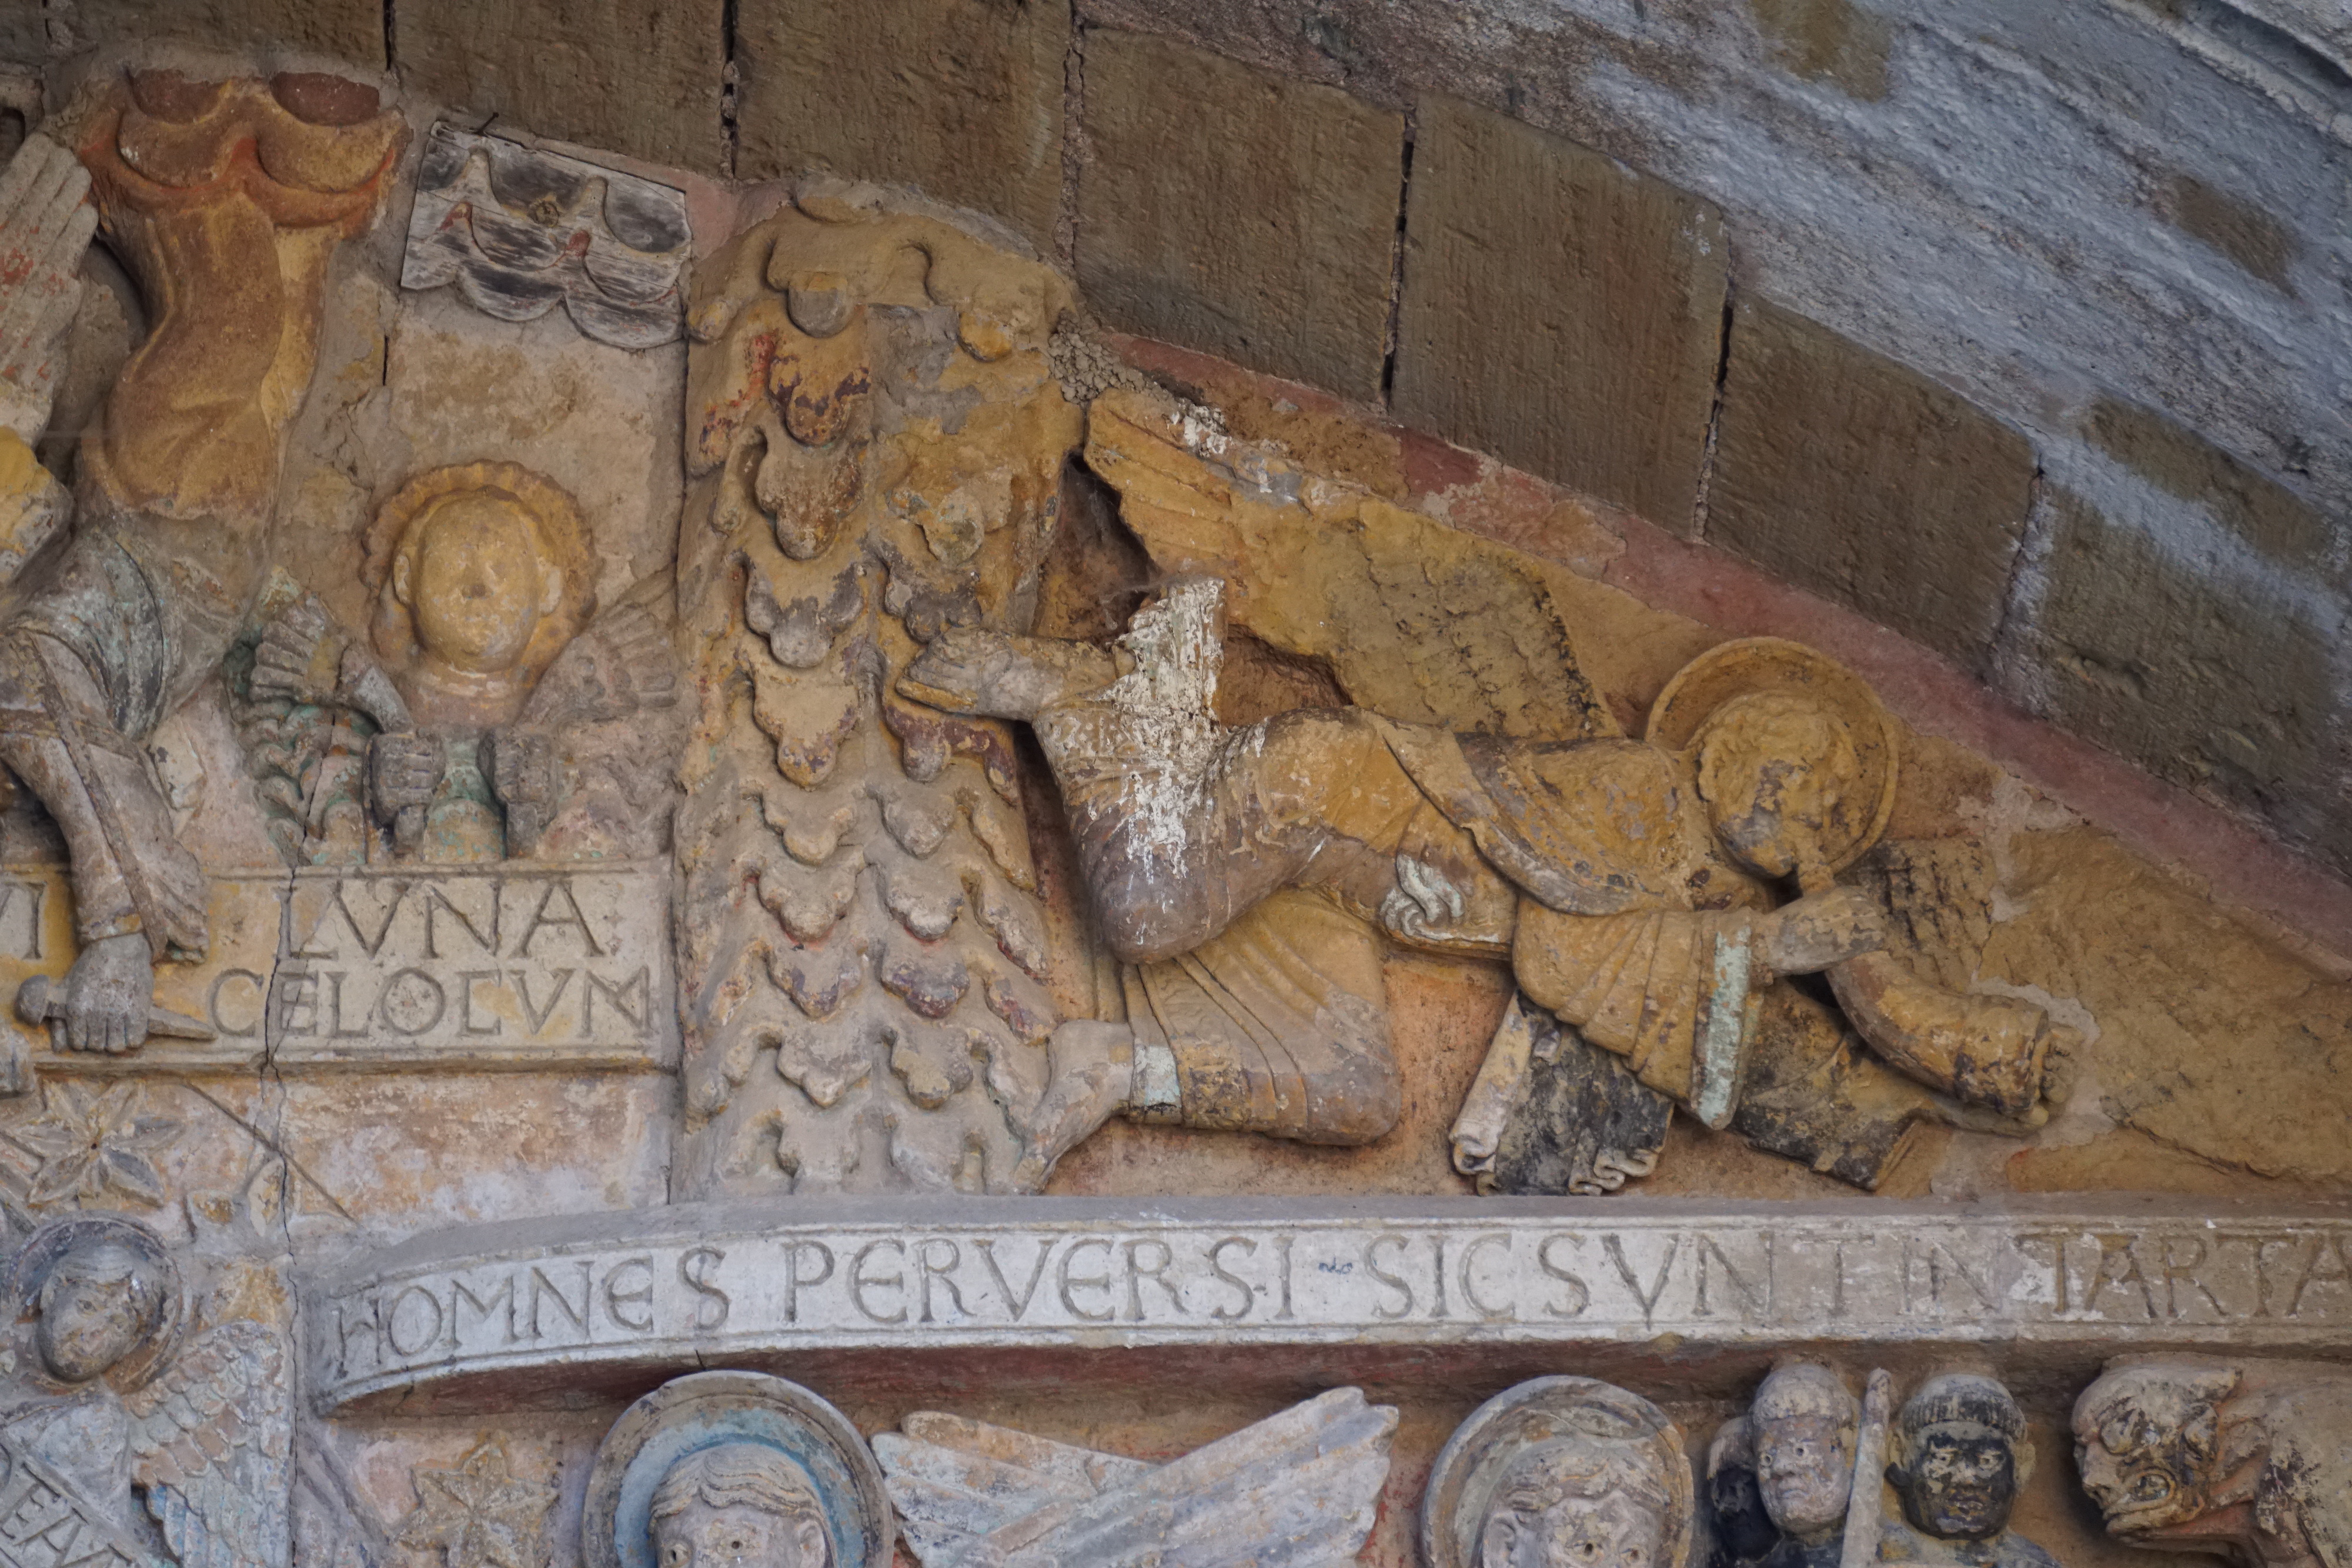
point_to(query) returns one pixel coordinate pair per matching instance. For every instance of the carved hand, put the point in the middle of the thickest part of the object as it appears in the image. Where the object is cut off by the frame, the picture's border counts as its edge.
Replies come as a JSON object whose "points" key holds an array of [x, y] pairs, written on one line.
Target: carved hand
{"points": [[967, 670], [108, 994], [526, 777], [403, 771], [45, 223], [287, 661], [1819, 930]]}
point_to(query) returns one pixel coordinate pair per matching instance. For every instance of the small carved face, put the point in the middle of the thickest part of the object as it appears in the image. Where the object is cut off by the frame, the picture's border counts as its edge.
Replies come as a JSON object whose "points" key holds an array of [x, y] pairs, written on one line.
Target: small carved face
{"points": [[1805, 1468], [1609, 1531], [1741, 1524], [1961, 1483], [2141, 1473], [475, 581], [737, 1535], [89, 1320]]}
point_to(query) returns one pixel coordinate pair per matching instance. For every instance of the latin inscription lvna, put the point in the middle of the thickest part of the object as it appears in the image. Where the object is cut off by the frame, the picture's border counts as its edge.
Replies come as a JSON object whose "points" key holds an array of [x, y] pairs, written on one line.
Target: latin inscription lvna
{"points": [[701, 1291], [510, 964]]}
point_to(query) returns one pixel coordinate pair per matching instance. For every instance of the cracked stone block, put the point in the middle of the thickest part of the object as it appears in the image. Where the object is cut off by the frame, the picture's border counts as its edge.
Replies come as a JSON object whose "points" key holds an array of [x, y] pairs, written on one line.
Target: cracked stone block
{"points": [[1867, 482], [2224, 687], [962, 99], [1560, 310], [1231, 210], [643, 80], [346, 29]]}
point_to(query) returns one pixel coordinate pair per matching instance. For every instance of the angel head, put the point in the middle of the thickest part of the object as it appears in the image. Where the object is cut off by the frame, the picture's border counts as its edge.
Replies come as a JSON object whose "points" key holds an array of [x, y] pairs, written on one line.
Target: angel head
{"points": [[1789, 750], [482, 574], [1580, 1502], [739, 1505], [2153, 1443], [1805, 1421], [99, 1304], [1960, 1454]]}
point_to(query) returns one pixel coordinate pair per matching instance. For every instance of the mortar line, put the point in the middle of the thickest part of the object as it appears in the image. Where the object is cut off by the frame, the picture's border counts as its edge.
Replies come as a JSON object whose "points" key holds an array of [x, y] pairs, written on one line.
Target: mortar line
{"points": [[731, 87], [1705, 488]]}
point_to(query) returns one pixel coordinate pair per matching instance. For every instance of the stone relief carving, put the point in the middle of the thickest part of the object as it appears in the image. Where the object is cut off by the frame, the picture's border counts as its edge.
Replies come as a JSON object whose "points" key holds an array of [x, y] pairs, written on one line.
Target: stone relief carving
{"points": [[520, 231], [1253, 879], [132, 1435], [1295, 1491], [226, 200], [2251, 1459], [493, 714], [1561, 1470], [735, 1466], [1959, 1455], [477, 1514], [1805, 1429], [877, 441]]}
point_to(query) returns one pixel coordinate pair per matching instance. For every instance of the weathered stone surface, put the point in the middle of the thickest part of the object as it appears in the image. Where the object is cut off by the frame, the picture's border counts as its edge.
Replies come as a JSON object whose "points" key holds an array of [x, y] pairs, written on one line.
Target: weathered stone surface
{"points": [[1237, 212], [1858, 478], [2174, 1451], [349, 31], [693, 1283], [2213, 680], [639, 79], [520, 231], [1514, 1483], [1295, 1491], [1560, 310], [962, 99], [2262, 514]]}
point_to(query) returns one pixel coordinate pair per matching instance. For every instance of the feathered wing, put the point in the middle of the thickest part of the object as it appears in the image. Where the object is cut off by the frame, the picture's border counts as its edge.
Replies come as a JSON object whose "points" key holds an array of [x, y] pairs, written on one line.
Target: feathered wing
{"points": [[956, 1482], [620, 663], [211, 1441], [1295, 1491], [1415, 620]]}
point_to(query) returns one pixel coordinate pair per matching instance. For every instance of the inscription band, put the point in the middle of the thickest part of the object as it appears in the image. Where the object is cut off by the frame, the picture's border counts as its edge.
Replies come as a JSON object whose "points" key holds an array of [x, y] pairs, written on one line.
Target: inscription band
{"points": [[692, 1283]]}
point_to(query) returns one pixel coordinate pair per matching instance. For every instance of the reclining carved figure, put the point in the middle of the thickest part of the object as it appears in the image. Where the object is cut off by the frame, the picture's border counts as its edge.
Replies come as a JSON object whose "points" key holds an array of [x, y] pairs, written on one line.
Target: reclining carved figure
{"points": [[1251, 879]]}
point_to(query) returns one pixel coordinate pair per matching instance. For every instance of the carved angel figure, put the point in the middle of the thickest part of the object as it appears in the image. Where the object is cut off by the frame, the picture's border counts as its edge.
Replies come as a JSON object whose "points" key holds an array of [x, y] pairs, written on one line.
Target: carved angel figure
{"points": [[498, 715], [1295, 1491], [109, 1408], [1558, 1470], [1253, 877]]}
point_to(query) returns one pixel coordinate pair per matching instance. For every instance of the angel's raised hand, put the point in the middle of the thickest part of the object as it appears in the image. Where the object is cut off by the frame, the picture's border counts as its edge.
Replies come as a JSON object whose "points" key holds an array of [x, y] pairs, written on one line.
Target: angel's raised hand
{"points": [[45, 223]]}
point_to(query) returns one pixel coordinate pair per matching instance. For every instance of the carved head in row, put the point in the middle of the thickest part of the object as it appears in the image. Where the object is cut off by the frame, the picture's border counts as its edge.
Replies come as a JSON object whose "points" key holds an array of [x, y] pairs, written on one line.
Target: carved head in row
{"points": [[2153, 1444], [739, 1505], [1960, 1456], [1804, 1420]]}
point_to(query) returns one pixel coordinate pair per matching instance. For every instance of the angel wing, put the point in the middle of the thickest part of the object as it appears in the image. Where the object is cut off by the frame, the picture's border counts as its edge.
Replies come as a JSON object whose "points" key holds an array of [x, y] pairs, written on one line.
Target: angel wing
{"points": [[1415, 620], [1295, 1491], [211, 1441], [621, 664]]}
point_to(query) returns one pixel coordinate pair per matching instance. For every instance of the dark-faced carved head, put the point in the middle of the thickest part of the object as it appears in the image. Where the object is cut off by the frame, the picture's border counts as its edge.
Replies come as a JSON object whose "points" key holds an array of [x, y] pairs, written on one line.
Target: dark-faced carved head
{"points": [[1580, 1503], [739, 1505], [1743, 1531], [1959, 1455], [2152, 1444], [98, 1304], [1805, 1419]]}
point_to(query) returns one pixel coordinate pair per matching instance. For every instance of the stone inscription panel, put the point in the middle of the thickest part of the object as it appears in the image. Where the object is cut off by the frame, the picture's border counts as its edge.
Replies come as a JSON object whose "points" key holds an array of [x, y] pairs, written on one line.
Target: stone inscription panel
{"points": [[688, 1286], [508, 965]]}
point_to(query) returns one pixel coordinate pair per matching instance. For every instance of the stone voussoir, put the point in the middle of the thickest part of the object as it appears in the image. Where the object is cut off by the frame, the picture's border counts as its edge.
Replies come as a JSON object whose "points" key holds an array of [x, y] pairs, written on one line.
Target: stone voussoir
{"points": [[1232, 210], [962, 99], [1560, 310], [1867, 482], [645, 81]]}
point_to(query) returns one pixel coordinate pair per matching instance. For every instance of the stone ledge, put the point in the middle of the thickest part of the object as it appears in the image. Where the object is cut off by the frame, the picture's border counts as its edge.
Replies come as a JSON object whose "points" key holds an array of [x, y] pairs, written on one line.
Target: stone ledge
{"points": [[576, 1301]]}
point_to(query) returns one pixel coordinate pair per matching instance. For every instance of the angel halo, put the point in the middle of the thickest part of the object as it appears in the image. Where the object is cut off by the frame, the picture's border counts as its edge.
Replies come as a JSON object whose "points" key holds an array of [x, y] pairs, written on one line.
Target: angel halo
{"points": [[752, 1457]]}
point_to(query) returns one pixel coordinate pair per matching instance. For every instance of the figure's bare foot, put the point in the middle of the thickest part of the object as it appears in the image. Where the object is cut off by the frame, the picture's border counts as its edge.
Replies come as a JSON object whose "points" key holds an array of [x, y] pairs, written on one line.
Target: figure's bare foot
{"points": [[107, 994], [1092, 1073], [993, 676]]}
